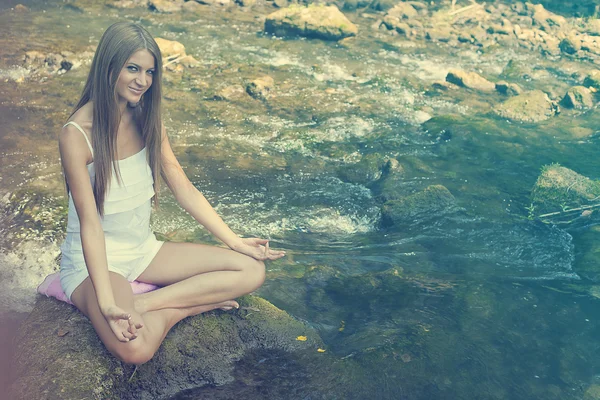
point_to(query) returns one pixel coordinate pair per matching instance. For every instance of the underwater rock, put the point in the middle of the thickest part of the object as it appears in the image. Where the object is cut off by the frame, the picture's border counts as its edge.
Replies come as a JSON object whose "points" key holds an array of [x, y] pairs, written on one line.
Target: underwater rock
{"points": [[578, 97], [165, 6], [430, 203], [559, 188], [470, 80], [533, 106], [59, 355], [314, 21], [369, 169], [544, 18], [510, 89], [260, 87]]}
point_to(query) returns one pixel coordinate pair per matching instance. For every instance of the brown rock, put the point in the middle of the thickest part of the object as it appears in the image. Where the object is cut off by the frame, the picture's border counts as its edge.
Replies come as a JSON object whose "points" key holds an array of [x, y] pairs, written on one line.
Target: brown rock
{"points": [[470, 80]]}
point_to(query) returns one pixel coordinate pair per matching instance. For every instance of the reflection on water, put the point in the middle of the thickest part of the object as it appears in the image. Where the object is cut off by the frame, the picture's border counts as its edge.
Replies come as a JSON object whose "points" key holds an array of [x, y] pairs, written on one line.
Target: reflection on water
{"points": [[478, 302]]}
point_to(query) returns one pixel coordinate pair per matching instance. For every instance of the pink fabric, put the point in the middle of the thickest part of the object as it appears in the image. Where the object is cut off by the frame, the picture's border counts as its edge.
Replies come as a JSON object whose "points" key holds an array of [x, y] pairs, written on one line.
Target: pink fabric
{"points": [[51, 287]]}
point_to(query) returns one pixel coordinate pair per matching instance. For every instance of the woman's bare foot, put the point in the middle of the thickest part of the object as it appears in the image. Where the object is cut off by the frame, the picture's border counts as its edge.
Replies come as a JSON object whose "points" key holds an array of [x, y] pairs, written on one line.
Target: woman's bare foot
{"points": [[224, 305]]}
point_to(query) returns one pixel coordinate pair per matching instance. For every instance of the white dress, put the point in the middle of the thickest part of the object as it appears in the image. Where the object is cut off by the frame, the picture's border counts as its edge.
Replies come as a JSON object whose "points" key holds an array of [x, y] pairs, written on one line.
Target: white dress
{"points": [[130, 244]]}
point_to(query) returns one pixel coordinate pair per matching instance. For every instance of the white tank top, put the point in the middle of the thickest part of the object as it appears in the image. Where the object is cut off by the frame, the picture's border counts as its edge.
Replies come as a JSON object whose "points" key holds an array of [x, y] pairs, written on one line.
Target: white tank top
{"points": [[126, 221]]}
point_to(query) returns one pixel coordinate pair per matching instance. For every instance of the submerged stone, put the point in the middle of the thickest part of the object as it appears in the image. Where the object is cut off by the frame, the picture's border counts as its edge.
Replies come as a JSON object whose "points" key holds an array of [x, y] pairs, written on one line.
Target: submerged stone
{"points": [[430, 203], [59, 355]]}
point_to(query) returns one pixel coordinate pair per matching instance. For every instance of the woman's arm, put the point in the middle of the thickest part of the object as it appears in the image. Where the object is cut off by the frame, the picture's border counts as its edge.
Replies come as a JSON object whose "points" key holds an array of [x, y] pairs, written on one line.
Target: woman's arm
{"points": [[194, 202], [74, 157]]}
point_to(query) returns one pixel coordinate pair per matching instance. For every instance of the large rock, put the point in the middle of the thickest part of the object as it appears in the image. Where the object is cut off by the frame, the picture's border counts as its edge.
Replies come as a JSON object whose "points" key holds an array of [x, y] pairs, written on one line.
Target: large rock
{"points": [[533, 106], [578, 97], [166, 6], [470, 80], [559, 188], [170, 48], [430, 203], [59, 355], [593, 79], [314, 21]]}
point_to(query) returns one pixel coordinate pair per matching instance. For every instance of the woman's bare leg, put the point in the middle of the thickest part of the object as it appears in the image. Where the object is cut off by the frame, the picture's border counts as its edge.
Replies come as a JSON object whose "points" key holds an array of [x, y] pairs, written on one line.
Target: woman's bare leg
{"points": [[156, 323], [195, 274]]}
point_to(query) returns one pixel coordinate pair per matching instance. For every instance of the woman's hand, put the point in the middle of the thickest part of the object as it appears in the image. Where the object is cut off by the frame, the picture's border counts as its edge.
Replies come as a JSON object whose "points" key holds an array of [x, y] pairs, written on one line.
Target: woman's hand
{"points": [[257, 249], [121, 323]]}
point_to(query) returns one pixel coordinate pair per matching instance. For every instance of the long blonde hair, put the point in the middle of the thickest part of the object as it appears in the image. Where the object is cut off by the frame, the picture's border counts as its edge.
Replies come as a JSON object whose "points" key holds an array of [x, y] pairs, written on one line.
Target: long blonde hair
{"points": [[116, 46]]}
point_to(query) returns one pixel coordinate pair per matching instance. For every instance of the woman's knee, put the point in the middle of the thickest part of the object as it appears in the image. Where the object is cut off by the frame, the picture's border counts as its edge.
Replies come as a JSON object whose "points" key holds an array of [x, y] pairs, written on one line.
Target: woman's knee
{"points": [[134, 352], [255, 271]]}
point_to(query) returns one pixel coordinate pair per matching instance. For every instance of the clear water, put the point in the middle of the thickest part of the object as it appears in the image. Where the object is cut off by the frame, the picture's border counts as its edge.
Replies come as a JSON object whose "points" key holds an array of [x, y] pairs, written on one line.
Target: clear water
{"points": [[483, 303]]}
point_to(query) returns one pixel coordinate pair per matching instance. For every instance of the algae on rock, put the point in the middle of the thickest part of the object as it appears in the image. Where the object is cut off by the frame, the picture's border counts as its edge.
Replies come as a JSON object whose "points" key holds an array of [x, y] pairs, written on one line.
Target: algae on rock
{"points": [[59, 355]]}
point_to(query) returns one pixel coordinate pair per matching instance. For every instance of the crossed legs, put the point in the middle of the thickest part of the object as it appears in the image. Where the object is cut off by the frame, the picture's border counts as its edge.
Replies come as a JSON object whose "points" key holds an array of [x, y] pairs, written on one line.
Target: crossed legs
{"points": [[196, 278]]}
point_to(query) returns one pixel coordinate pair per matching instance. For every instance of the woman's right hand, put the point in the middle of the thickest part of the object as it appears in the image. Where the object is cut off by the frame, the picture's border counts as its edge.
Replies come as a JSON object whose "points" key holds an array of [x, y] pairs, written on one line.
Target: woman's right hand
{"points": [[121, 323]]}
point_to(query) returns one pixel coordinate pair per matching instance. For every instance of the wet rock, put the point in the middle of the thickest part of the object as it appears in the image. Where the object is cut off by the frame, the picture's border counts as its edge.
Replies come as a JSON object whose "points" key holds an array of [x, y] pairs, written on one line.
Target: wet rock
{"points": [[570, 45], [165, 6], [394, 23], [125, 4], [216, 3], [369, 169], [198, 351], [430, 203], [21, 8], [470, 80], [533, 106], [558, 188], [592, 393], [592, 80], [259, 88], [578, 97], [191, 6], [440, 33], [403, 11], [170, 48], [509, 89], [443, 85], [246, 3], [233, 92], [314, 21], [544, 18], [382, 5], [34, 58], [280, 3]]}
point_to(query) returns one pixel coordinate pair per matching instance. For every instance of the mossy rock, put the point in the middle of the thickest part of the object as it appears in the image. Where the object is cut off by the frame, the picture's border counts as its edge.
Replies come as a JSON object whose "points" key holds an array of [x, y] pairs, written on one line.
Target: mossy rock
{"points": [[369, 169], [533, 106], [559, 188], [59, 355], [430, 203]]}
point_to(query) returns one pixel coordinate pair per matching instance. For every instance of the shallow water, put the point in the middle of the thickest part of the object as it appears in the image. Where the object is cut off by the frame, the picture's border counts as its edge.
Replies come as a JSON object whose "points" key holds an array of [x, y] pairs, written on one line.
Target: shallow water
{"points": [[479, 303]]}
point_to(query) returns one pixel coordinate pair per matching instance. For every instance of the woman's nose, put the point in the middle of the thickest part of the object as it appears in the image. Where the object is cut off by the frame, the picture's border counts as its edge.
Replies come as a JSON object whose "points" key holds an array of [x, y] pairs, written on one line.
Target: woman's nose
{"points": [[141, 80]]}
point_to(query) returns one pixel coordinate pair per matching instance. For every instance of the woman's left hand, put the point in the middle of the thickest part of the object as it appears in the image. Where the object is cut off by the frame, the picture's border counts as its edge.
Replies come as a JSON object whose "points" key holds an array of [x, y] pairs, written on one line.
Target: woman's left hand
{"points": [[258, 249]]}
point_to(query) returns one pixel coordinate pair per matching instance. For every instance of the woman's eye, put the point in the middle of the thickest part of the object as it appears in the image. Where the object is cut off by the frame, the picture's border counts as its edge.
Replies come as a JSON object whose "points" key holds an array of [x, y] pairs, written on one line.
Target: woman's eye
{"points": [[131, 68], [151, 72]]}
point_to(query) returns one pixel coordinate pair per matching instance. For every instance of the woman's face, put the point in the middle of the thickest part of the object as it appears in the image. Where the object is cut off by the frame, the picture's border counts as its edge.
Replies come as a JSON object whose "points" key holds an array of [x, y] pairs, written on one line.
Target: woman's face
{"points": [[135, 77]]}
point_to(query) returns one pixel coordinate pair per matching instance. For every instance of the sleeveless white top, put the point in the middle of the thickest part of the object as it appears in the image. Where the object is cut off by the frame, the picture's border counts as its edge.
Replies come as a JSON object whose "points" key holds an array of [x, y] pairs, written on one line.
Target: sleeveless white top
{"points": [[126, 220]]}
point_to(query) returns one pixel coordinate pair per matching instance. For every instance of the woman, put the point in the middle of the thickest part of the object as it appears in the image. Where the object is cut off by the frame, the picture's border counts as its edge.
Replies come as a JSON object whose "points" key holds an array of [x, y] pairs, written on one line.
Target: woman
{"points": [[113, 150]]}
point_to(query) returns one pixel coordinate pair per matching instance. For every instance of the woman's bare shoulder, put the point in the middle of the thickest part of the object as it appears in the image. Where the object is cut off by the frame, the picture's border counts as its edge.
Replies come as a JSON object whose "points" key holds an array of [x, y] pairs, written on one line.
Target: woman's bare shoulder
{"points": [[83, 117]]}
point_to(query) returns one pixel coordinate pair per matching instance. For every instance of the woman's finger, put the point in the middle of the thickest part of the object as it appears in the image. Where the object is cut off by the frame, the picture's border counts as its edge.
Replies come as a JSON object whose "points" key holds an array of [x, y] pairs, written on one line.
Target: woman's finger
{"points": [[267, 249]]}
